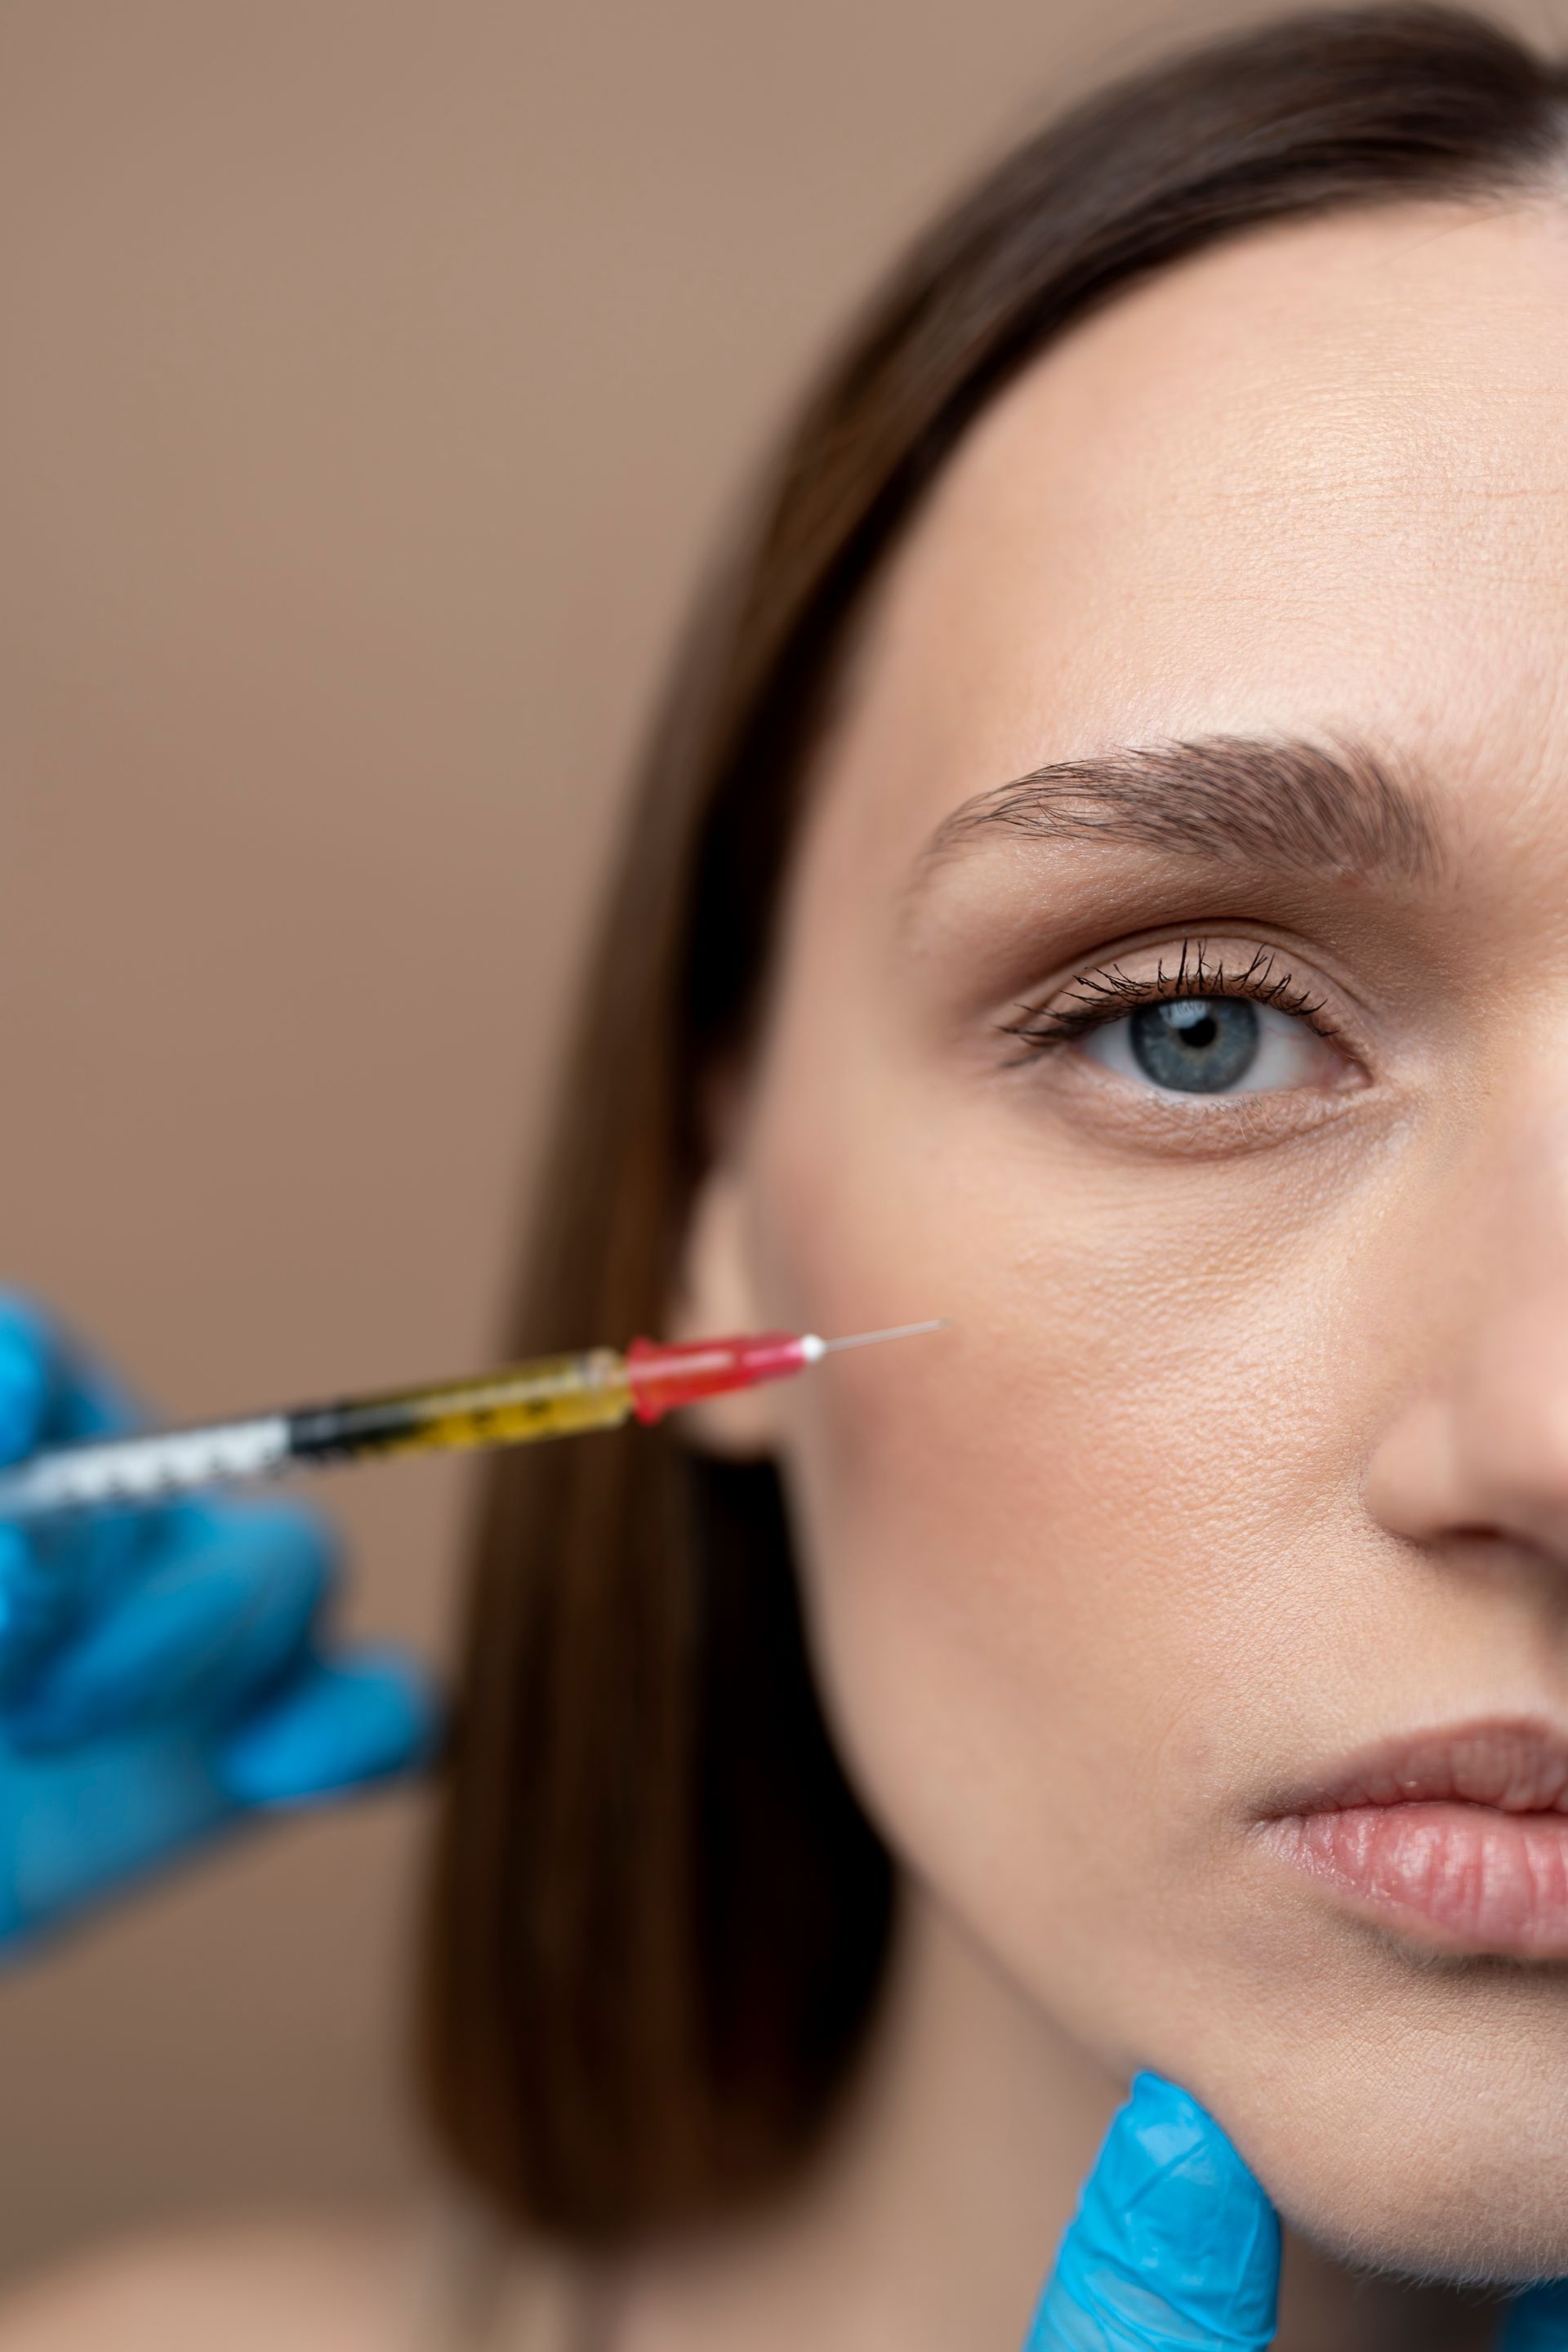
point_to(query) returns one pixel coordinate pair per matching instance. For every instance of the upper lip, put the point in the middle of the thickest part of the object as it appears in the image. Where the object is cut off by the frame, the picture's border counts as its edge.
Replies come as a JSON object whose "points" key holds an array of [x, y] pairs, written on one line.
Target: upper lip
{"points": [[1515, 1765]]}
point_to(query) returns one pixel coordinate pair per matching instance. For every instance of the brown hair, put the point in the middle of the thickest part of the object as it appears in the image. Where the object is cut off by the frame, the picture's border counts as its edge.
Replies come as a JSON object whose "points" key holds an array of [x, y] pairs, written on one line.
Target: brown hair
{"points": [[659, 1917]]}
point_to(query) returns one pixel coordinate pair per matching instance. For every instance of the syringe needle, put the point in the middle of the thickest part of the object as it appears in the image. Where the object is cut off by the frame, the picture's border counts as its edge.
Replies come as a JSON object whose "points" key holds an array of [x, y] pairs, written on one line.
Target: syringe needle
{"points": [[899, 1331]]}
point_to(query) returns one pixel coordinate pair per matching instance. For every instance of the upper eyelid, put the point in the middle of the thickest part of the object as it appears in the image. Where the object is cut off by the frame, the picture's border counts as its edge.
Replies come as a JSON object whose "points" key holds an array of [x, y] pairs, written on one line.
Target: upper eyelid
{"points": [[1121, 994]]}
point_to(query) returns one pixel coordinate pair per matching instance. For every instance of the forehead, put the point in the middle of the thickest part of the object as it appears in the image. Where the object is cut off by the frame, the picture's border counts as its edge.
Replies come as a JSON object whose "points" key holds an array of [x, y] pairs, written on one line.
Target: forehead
{"points": [[1314, 478]]}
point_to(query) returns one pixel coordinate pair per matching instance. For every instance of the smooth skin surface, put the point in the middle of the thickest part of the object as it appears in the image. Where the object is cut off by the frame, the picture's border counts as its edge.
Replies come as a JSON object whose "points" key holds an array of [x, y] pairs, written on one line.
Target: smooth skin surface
{"points": [[1251, 1445]]}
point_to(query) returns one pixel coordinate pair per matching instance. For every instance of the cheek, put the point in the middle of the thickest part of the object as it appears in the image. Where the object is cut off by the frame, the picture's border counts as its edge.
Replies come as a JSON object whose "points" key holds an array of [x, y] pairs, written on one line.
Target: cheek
{"points": [[1085, 1577], [1038, 1547]]}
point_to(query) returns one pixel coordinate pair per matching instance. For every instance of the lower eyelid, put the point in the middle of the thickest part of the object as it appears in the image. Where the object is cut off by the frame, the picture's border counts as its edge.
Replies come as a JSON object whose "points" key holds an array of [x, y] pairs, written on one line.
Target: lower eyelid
{"points": [[1193, 1127]]}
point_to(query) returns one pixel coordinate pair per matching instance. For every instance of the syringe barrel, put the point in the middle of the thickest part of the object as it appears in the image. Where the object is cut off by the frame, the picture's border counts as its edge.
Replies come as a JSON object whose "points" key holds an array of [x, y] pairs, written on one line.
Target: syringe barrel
{"points": [[109, 1473], [555, 1396]]}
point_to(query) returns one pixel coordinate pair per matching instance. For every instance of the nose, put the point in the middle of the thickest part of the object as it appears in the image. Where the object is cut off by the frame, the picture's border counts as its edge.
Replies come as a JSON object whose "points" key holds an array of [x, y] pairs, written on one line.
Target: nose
{"points": [[1481, 1449]]}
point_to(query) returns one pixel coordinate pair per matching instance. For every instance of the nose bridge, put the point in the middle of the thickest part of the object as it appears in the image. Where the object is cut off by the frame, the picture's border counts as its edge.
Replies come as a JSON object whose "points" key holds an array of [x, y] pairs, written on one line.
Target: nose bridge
{"points": [[1480, 1442], [1483, 1444], [1515, 1355]]}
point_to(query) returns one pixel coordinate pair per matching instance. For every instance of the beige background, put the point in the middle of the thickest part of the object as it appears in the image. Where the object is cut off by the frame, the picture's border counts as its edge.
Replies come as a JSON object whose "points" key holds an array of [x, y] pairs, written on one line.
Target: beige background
{"points": [[374, 372]]}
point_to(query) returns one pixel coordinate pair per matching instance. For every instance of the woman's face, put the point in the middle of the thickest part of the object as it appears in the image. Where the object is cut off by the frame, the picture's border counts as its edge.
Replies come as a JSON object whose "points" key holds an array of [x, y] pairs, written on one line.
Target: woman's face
{"points": [[1173, 991]]}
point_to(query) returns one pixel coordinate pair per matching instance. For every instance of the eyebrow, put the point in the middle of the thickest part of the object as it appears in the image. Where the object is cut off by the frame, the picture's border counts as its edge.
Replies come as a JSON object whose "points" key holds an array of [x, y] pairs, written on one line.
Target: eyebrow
{"points": [[1288, 804]]}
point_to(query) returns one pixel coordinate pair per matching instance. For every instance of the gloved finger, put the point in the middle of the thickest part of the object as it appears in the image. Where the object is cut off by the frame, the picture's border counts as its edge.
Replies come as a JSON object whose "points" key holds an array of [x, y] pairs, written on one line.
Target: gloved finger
{"points": [[1173, 2243], [26, 1378], [348, 1721], [32, 1608], [59, 1580], [78, 1827], [52, 1394], [1537, 2321], [229, 1605]]}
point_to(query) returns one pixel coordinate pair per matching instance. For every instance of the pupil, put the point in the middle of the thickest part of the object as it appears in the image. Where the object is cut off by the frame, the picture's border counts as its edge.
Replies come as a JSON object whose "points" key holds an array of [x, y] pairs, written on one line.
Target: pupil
{"points": [[1198, 1044]]}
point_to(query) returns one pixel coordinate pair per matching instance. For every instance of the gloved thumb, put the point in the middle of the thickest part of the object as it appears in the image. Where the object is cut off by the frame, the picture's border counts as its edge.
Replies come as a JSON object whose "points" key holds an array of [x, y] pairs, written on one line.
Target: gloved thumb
{"points": [[1173, 2243]]}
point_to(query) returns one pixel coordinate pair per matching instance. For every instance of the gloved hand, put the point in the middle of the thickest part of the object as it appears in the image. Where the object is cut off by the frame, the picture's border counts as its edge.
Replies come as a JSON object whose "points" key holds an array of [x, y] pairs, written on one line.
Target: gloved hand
{"points": [[1173, 2241], [164, 1674], [1175, 2248]]}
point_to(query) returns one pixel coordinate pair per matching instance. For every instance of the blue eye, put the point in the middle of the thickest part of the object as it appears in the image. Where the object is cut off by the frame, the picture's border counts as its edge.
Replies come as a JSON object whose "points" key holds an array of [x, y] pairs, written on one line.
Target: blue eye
{"points": [[1205, 1029], [1211, 1046], [1201, 1045]]}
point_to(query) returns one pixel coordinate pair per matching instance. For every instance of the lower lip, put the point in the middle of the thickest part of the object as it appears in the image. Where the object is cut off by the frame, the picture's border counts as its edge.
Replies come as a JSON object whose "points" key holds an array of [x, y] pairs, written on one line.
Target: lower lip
{"points": [[1467, 1877]]}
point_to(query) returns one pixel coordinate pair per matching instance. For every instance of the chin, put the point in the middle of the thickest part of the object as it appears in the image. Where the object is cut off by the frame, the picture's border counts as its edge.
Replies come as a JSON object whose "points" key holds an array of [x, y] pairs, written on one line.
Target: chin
{"points": [[1433, 2145]]}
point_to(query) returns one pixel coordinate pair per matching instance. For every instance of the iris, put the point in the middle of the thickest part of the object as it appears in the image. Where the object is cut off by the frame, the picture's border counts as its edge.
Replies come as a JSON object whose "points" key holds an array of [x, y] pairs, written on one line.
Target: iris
{"points": [[1199, 1045]]}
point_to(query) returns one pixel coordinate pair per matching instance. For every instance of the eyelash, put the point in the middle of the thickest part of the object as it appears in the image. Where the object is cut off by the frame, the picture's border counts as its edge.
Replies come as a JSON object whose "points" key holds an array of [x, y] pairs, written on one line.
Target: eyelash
{"points": [[1109, 995]]}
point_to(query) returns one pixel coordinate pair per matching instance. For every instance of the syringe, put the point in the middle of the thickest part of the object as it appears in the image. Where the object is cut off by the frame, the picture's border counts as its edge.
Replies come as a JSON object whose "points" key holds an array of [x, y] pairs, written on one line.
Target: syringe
{"points": [[554, 1396]]}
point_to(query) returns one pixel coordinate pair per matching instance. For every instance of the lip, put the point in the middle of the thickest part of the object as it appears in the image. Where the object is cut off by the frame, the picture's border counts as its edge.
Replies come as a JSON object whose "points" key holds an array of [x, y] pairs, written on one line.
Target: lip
{"points": [[1459, 1837]]}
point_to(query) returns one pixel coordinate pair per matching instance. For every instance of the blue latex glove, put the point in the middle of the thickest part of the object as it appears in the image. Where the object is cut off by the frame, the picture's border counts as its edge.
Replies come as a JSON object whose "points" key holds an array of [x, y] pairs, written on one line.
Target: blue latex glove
{"points": [[1538, 2321], [165, 1674], [1175, 2244]]}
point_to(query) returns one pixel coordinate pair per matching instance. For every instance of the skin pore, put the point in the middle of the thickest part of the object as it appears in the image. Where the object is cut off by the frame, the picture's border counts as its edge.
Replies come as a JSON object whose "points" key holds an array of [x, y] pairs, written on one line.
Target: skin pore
{"points": [[1249, 1448]]}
